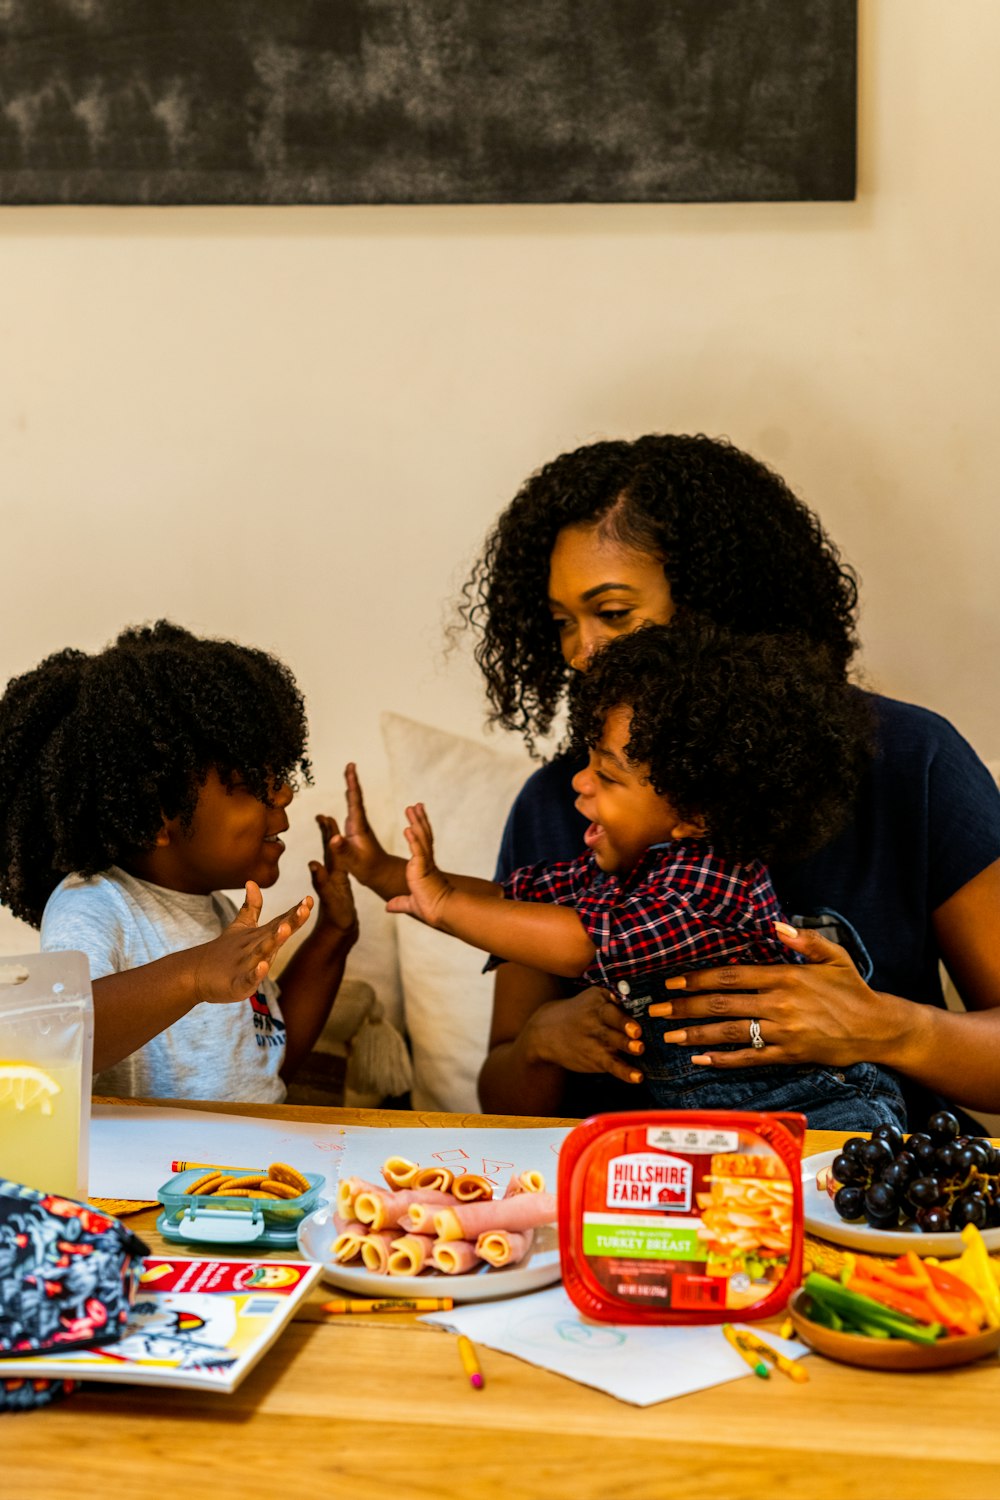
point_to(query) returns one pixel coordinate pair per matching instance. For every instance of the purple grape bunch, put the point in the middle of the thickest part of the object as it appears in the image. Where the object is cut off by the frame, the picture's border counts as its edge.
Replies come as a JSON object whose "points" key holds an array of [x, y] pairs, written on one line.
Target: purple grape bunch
{"points": [[936, 1179]]}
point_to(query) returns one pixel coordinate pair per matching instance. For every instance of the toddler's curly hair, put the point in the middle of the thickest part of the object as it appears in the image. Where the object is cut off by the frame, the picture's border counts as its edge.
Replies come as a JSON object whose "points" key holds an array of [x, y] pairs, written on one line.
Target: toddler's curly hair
{"points": [[97, 751], [759, 735]]}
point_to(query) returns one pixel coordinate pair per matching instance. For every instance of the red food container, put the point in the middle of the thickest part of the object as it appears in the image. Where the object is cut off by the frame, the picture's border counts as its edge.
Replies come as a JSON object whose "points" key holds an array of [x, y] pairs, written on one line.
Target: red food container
{"points": [[682, 1216]]}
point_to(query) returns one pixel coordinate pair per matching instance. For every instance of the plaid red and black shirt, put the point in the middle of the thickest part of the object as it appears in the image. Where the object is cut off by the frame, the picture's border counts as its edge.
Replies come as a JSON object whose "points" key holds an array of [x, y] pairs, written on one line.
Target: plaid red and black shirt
{"points": [[680, 908]]}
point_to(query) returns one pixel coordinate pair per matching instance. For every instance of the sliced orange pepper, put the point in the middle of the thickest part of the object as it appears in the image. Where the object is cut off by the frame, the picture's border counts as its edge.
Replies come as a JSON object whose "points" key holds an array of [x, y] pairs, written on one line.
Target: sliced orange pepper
{"points": [[893, 1275], [900, 1301], [917, 1267]]}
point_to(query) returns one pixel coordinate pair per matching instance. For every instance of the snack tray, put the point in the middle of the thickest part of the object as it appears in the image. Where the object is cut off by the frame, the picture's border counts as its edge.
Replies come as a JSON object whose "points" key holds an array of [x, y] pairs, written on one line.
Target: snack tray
{"points": [[206, 1218]]}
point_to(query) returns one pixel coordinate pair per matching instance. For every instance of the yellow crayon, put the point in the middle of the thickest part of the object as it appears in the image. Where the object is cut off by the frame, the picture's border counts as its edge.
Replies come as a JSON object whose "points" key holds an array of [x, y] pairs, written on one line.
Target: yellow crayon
{"points": [[756, 1364], [388, 1304], [759, 1346]]}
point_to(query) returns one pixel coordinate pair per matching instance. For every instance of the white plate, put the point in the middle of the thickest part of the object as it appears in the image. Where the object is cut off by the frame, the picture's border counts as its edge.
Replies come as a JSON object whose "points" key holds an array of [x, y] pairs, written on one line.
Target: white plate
{"points": [[821, 1218], [316, 1236]]}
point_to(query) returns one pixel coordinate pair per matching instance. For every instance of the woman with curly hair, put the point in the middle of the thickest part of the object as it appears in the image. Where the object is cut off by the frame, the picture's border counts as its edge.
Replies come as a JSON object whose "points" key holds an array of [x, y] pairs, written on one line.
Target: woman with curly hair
{"points": [[136, 785], [617, 533], [706, 754]]}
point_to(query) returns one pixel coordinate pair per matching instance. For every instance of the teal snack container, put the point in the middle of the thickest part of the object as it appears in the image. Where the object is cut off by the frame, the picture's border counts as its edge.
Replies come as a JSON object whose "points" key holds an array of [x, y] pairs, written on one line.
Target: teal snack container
{"points": [[208, 1218]]}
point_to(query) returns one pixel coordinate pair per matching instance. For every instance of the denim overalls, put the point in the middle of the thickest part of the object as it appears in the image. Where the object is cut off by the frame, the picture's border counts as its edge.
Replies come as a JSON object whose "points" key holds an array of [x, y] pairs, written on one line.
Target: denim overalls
{"points": [[857, 1097]]}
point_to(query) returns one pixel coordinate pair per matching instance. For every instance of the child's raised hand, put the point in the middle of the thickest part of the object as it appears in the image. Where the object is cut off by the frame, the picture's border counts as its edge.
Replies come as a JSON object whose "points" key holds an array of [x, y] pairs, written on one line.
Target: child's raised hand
{"points": [[232, 965], [428, 888], [332, 885], [356, 851]]}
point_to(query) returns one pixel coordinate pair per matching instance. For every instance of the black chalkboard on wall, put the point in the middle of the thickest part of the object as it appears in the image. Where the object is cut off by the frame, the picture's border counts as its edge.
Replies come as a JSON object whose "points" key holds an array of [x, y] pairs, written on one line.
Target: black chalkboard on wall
{"points": [[426, 101]]}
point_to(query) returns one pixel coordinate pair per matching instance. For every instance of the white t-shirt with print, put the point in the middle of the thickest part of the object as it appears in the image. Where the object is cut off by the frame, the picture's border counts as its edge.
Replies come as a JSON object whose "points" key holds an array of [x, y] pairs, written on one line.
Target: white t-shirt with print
{"points": [[230, 1052]]}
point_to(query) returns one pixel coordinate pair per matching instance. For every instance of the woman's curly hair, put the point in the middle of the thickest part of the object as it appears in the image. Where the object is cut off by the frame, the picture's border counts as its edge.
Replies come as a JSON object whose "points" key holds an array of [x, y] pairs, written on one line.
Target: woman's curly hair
{"points": [[759, 735], [735, 543], [96, 752]]}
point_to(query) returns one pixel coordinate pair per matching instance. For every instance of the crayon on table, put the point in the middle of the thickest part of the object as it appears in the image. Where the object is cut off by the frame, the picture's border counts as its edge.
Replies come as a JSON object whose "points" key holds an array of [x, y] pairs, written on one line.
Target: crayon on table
{"points": [[756, 1364], [388, 1304], [763, 1349], [470, 1364]]}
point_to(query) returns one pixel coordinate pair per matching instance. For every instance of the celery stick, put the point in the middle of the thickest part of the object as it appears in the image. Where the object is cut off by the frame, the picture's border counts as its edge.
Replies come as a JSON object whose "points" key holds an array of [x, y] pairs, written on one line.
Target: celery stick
{"points": [[855, 1309]]}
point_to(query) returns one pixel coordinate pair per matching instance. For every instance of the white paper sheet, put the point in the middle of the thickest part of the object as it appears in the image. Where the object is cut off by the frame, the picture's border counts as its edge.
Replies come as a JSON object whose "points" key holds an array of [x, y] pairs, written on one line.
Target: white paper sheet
{"points": [[131, 1149], [635, 1362]]}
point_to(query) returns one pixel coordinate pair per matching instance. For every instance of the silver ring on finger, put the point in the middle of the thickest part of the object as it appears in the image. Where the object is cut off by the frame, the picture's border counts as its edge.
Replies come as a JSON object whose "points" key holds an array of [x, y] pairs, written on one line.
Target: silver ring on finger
{"points": [[756, 1040]]}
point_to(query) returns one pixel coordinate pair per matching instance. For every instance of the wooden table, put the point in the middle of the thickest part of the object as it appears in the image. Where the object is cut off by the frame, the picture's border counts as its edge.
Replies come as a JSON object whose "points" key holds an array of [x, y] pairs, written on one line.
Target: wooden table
{"points": [[367, 1407]]}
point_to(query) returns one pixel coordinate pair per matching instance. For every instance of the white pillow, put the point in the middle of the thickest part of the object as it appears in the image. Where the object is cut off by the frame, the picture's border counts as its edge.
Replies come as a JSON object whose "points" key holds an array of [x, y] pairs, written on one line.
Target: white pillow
{"points": [[447, 1000]]}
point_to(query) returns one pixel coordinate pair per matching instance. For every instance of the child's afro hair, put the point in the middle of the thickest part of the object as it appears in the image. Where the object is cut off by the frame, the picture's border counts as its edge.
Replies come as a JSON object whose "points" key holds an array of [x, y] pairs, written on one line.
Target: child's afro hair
{"points": [[761, 736], [96, 752]]}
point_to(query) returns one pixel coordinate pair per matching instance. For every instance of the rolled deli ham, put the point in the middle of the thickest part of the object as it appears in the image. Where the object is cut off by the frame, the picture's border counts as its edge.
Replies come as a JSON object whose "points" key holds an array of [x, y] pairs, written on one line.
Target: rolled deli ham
{"points": [[348, 1189], [399, 1172], [409, 1254], [467, 1221], [375, 1249], [471, 1188], [504, 1247], [350, 1234], [525, 1182], [453, 1257], [382, 1209], [433, 1177]]}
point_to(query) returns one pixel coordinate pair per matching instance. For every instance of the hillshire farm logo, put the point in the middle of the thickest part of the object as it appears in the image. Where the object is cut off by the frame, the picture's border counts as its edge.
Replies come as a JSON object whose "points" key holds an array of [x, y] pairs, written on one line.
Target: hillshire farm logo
{"points": [[641, 1181]]}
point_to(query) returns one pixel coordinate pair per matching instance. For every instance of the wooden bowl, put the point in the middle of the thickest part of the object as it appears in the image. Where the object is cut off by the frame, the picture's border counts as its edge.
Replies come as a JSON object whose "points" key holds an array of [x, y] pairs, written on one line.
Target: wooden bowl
{"points": [[889, 1354]]}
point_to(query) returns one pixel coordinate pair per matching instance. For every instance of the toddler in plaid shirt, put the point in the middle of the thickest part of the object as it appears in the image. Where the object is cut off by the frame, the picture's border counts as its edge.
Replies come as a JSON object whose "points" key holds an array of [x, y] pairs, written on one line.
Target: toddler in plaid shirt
{"points": [[708, 755]]}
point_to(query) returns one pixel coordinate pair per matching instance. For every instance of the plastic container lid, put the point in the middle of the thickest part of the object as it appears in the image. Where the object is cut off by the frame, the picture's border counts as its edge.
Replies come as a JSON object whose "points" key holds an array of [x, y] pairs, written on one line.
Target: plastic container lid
{"points": [[209, 1218], [682, 1216]]}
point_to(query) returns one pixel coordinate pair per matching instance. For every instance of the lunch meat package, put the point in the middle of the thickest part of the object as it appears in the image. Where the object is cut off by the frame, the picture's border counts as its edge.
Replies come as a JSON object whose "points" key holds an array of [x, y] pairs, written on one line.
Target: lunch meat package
{"points": [[682, 1216]]}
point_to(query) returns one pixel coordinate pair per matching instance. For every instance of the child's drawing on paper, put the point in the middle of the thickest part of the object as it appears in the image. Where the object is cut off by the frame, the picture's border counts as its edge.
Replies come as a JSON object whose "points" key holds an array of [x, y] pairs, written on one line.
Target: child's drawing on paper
{"points": [[542, 1331]]}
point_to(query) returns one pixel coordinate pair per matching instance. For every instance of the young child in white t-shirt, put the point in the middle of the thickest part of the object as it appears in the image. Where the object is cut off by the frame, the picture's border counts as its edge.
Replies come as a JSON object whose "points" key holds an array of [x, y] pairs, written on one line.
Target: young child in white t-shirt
{"points": [[136, 785]]}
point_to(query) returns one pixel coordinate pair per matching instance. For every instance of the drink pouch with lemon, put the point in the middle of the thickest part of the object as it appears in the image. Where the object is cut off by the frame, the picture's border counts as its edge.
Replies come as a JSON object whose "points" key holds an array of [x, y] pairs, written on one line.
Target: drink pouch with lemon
{"points": [[46, 1059]]}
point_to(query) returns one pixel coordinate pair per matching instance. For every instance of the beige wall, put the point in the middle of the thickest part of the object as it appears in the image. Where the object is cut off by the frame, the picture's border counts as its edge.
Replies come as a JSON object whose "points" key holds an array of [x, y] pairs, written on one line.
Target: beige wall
{"points": [[293, 426]]}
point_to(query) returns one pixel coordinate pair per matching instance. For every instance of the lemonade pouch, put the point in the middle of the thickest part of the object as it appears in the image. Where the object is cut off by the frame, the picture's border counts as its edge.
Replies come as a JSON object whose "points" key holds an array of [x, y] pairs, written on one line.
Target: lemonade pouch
{"points": [[691, 1216], [46, 1062]]}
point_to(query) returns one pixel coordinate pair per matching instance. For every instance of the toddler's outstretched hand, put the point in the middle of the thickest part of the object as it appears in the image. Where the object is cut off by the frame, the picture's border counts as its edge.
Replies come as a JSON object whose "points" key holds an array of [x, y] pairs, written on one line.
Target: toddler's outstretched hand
{"points": [[232, 965], [429, 889]]}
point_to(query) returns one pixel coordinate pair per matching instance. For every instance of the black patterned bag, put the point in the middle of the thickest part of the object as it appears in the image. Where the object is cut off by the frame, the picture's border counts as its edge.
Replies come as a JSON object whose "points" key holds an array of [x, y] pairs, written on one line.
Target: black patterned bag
{"points": [[68, 1277]]}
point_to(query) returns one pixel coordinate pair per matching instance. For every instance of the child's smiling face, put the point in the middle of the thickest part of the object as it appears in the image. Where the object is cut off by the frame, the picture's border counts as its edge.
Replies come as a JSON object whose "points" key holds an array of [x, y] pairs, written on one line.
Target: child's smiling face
{"points": [[626, 814], [233, 838]]}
